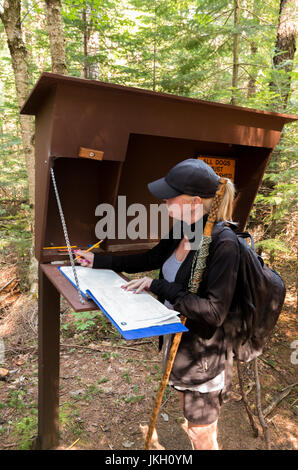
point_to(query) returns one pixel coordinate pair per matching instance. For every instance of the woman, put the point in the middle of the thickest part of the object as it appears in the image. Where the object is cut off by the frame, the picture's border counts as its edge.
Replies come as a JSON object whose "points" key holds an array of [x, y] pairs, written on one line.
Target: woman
{"points": [[198, 370]]}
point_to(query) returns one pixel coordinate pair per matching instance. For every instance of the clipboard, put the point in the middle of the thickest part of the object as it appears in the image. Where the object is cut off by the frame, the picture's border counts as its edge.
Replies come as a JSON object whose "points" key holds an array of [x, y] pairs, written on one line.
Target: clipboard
{"points": [[134, 333]]}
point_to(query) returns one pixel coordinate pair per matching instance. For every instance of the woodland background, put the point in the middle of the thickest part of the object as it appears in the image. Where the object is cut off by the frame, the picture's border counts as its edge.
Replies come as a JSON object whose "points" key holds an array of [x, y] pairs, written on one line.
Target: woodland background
{"points": [[232, 51], [240, 52]]}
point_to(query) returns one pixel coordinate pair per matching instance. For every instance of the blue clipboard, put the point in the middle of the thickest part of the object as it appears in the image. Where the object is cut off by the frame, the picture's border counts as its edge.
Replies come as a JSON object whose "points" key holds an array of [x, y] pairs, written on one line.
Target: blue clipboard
{"points": [[143, 332], [134, 334]]}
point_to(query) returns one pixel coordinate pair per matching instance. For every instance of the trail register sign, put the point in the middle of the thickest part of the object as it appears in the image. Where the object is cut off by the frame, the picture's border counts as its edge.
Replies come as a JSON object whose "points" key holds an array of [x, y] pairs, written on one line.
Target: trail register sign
{"points": [[224, 167]]}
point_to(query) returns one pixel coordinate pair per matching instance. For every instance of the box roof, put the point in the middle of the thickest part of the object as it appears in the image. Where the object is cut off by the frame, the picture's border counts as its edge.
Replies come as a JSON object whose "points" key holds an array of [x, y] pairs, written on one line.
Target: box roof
{"points": [[48, 81]]}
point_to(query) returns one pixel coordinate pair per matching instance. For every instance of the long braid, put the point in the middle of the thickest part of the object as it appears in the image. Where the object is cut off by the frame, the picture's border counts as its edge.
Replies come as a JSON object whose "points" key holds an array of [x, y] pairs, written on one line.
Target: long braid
{"points": [[199, 260]]}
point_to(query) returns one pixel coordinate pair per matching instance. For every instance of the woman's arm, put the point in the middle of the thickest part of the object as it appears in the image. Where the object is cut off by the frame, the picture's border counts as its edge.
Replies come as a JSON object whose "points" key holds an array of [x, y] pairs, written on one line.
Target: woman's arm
{"points": [[134, 263], [221, 281]]}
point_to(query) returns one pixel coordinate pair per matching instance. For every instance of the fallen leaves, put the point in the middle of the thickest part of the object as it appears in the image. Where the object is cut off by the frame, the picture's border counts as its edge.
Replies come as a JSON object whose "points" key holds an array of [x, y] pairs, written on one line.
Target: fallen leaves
{"points": [[4, 373]]}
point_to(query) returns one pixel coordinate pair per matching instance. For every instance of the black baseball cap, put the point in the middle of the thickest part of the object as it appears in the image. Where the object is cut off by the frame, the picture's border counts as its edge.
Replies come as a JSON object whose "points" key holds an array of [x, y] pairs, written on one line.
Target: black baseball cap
{"points": [[192, 176]]}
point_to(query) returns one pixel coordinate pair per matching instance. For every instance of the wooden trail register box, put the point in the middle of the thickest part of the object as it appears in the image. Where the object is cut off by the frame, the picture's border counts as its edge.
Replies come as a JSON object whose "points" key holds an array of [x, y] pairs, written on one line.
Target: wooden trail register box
{"points": [[104, 141]]}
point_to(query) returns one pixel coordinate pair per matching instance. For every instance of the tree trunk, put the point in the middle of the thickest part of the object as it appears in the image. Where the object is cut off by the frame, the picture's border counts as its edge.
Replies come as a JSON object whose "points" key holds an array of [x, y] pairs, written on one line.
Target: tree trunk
{"points": [[285, 48], [85, 43], [251, 88], [235, 52], [253, 71], [11, 19], [154, 49], [90, 45], [56, 36]]}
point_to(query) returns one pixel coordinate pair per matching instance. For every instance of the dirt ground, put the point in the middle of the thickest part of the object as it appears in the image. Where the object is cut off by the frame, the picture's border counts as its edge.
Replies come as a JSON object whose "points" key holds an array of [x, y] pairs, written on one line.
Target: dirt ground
{"points": [[107, 385]]}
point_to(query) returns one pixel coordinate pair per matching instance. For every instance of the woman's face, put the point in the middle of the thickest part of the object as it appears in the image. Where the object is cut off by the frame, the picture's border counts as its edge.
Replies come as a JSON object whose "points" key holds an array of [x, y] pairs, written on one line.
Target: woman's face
{"points": [[184, 207]]}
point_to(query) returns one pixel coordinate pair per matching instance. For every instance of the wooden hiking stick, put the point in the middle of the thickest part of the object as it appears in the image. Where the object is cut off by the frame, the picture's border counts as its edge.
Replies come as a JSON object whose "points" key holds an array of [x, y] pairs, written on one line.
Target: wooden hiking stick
{"points": [[199, 263]]}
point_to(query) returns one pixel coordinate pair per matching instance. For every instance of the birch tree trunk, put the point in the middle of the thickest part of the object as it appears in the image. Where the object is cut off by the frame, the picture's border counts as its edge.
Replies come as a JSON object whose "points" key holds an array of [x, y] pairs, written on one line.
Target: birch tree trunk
{"points": [[10, 15], [11, 18], [56, 36]]}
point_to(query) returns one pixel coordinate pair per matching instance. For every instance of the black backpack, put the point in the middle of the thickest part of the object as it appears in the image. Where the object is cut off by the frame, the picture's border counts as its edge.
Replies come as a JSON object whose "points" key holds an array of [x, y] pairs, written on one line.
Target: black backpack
{"points": [[257, 303]]}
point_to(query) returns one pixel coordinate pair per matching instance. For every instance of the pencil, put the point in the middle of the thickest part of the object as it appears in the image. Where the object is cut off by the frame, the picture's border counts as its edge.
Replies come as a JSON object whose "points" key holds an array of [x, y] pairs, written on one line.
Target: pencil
{"points": [[89, 249], [57, 247]]}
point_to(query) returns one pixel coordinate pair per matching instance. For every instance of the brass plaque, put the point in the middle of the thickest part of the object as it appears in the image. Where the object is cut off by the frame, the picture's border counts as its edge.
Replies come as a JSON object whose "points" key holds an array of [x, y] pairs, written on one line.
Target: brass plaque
{"points": [[90, 153]]}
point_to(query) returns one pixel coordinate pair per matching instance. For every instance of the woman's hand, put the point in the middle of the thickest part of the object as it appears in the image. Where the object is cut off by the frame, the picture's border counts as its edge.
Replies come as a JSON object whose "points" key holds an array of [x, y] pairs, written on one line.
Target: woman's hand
{"points": [[86, 259], [138, 284]]}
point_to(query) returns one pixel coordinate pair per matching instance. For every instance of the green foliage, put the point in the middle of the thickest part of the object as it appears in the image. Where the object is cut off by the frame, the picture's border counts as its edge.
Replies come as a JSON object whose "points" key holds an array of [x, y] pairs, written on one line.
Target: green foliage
{"points": [[276, 202], [84, 320], [183, 47], [133, 398], [70, 419], [90, 325], [24, 429], [102, 380], [127, 377], [15, 212], [273, 246]]}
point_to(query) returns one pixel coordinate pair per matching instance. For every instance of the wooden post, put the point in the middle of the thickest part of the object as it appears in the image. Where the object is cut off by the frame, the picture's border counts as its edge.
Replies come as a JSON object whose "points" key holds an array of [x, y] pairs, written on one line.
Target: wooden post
{"points": [[48, 360]]}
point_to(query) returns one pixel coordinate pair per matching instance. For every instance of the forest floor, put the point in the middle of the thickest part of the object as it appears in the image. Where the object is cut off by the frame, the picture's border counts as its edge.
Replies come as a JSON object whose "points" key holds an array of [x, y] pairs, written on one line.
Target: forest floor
{"points": [[107, 385]]}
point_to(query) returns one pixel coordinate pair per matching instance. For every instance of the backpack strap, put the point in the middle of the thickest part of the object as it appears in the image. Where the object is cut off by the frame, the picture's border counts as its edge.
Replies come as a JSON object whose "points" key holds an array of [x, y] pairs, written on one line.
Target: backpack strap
{"points": [[233, 226], [247, 235]]}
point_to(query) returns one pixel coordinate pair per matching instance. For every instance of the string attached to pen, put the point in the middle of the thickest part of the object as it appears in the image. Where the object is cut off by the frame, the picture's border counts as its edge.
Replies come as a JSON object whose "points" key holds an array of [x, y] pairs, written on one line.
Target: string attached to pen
{"points": [[66, 237]]}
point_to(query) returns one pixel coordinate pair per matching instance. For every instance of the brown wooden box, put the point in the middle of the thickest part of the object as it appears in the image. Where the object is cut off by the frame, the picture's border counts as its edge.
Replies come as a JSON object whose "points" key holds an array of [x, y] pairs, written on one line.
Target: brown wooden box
{"points": [[105, 140], [133, 136]]}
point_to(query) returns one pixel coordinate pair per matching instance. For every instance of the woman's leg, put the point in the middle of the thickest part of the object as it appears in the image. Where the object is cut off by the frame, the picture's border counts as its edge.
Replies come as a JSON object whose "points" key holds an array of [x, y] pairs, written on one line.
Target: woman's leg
{"points": [[202, 436]]}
